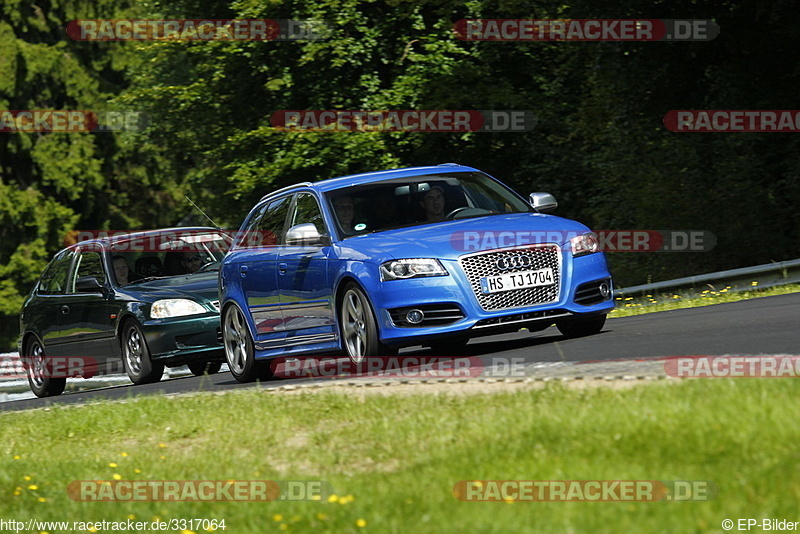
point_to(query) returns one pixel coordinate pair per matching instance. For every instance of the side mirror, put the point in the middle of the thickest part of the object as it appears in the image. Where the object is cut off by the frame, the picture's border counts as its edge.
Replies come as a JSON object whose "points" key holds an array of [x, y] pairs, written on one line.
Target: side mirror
{"points": [[305, 234], [543, 202], [88, 284]]}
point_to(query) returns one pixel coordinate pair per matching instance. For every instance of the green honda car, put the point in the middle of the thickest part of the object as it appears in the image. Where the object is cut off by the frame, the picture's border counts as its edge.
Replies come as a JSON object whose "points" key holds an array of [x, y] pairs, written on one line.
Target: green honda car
{"points": [[132, 302]]}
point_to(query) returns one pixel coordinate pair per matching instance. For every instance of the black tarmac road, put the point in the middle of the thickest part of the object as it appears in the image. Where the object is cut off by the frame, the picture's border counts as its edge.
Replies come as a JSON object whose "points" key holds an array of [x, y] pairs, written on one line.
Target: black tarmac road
{"points": [[769, 325]]}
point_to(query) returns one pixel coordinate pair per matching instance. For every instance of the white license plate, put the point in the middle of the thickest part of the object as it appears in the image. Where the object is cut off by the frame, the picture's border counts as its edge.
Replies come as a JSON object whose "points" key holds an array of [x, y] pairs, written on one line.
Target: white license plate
{"points": [[519, 280]]}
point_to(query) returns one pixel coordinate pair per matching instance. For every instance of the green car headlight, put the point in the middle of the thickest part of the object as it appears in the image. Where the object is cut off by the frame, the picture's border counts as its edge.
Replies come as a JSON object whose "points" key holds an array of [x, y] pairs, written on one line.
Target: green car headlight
{"points": [[164, 308]]}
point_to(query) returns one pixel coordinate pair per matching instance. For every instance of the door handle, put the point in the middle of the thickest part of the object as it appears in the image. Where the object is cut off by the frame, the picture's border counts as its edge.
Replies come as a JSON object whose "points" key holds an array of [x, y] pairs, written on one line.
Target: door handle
{"points": [[65, 309], [243, 271], [282, 268]]}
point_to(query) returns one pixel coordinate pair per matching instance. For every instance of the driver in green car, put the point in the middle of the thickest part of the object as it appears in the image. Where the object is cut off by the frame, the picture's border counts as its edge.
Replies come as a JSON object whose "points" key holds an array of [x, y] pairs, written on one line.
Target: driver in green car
{"points": [[192, 260]]}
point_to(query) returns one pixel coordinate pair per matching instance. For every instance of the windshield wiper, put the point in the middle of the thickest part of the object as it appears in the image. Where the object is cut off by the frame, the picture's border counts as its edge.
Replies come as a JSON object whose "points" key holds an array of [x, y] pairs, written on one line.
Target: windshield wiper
{"points": [[148, 279]]}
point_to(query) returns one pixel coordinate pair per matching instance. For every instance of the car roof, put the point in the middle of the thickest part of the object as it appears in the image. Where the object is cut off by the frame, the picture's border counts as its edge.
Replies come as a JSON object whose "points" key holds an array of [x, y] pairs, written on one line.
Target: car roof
{"points": [[119, 236], [351, 180]]}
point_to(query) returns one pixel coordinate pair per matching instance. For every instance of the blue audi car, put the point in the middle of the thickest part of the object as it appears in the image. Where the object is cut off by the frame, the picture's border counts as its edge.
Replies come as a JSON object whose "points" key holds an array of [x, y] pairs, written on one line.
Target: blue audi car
{"points": [[431, 256]]}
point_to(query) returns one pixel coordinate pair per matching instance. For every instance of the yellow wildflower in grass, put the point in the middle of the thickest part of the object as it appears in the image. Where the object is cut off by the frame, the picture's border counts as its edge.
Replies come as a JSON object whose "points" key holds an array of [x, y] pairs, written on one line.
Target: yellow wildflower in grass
{"points": [[284, 526], [16, 493], [185, 531], [33, 487], [277, 517], [361, 523], [42, 499], [315, 498], [92, 529], [162, 445], [26, 478], [17, 456], [112, 464], [509, 501], [137, 470], [163, 457], [131, 516], [322, 517], [117, 476], [333, 498], [123, 454]]}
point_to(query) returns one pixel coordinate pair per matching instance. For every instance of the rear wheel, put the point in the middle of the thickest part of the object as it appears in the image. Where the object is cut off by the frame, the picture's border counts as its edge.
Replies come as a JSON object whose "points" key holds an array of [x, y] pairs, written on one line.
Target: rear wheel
{"points": [[136, 356], [38, 371], [581, 327], [358, 328], [239, 350], [202, 368]]}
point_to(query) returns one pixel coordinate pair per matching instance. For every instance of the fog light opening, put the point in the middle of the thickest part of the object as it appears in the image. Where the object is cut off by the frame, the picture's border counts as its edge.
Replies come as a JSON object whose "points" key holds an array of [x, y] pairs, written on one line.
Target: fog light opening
{"points": [[415, 316], [605, 291]]}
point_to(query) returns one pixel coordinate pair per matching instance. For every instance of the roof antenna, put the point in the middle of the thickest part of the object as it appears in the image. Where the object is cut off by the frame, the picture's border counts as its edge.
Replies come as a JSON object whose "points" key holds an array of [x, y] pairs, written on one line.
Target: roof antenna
{"points": [[201, 211]]}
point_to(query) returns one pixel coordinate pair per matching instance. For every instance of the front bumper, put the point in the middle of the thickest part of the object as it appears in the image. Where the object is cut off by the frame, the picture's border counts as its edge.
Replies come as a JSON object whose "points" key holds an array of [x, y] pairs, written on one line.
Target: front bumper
{"points": [[181, 340], [444, 296]]}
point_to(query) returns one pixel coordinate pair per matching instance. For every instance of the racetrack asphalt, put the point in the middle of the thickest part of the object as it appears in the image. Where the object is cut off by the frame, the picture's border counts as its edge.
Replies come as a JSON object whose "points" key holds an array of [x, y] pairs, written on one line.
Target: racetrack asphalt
{"points": [[630, 346]]}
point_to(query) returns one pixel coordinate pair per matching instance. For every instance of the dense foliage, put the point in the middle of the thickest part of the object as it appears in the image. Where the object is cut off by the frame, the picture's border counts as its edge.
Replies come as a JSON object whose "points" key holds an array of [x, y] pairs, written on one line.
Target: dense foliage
{"points": [[599, 146]]}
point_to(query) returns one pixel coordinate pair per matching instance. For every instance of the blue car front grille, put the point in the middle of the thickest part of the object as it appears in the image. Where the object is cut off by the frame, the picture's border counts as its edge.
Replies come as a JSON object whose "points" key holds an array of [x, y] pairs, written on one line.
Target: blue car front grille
{"points": [[483, 264]]}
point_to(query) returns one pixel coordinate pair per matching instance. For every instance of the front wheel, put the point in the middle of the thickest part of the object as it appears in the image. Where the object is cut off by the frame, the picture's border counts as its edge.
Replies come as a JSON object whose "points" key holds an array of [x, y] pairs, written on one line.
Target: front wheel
{"points": [[136, 356], [39, 372], [358, 328], [581, 327], [239, 350]]}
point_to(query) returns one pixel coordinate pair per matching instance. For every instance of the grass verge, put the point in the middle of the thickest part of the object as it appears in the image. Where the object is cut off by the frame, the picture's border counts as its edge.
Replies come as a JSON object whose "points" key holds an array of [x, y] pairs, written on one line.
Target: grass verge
{"points": [[627, 306], [393, 461]]}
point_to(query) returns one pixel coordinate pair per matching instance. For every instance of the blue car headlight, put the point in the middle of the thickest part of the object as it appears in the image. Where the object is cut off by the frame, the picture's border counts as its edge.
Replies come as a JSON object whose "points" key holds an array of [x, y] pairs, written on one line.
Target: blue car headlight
{"points": [[411, 268], [584, 244], [164, 308]]}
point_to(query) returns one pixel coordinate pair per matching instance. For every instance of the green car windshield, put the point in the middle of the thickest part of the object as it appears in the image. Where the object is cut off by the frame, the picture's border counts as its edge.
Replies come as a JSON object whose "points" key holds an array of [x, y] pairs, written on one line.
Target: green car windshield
{"points": [[165, 254]]}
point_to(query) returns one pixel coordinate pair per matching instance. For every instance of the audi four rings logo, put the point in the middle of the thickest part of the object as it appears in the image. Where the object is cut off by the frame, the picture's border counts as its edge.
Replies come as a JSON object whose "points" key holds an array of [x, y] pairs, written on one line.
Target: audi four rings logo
{"points": [[513, 262]]}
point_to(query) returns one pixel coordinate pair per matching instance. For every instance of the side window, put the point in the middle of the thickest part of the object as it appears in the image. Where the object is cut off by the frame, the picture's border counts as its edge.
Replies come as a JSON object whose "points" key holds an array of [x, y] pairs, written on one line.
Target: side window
{"points": [[88, 264], [270, 228], [54, 279], [245, 237], [307, 211]]}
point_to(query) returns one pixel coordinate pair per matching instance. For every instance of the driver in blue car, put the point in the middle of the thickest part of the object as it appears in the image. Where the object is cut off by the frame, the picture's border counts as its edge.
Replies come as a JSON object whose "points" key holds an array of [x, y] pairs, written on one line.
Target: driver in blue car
{"points": [[433, 203]]}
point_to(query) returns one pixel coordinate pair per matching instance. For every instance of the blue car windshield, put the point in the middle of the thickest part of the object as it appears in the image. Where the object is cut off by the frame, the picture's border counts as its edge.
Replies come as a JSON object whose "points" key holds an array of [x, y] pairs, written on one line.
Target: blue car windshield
{"points": [[416, 200]]}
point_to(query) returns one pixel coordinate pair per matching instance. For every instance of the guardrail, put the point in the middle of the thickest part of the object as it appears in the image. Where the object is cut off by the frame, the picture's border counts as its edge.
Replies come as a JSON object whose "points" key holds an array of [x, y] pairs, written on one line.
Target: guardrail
{"points": [[768, 275]]}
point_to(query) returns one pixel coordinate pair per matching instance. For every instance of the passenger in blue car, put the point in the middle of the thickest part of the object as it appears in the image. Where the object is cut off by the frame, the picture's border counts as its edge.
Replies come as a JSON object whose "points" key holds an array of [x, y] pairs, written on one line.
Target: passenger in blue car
{"points": [[345, 214]]}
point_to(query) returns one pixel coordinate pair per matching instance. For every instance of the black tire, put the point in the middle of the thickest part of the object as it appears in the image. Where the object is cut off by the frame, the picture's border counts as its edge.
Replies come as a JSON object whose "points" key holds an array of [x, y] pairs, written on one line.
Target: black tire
{"points": [[136, 356], [581, 327], [202, 368], [38, 371], [239, 348], [358, 327]]}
